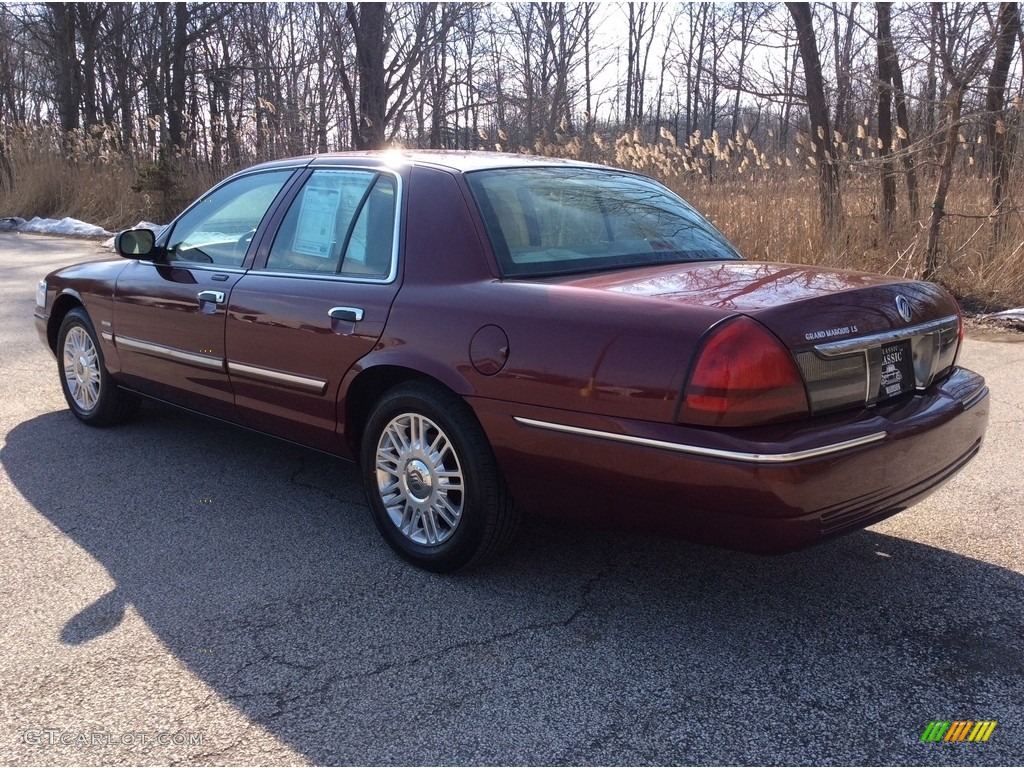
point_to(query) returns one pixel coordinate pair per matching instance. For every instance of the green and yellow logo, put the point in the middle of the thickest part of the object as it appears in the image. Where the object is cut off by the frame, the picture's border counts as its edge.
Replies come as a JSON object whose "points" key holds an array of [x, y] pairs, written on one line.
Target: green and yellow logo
{"points": [[958, 730]]}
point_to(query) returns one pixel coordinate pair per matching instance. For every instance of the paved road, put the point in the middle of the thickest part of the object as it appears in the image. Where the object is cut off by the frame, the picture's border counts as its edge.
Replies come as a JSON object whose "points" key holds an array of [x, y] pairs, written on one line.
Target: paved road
{"points": [[176, 580]]}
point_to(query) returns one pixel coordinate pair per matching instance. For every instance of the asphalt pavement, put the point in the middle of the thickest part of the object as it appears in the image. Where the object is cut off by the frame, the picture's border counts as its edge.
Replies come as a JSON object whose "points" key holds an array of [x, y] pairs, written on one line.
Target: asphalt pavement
{"points": [[178, 591]]}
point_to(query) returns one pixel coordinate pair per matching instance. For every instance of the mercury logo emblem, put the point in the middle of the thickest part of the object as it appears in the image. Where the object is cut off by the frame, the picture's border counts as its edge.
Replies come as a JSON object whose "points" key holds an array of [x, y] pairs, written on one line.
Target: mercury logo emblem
{"points": [[903, 307]]}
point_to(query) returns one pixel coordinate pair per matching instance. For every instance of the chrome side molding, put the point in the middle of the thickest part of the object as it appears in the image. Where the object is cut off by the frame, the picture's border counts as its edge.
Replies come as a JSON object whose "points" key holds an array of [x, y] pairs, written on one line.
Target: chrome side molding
{"points": [[698, 450]]}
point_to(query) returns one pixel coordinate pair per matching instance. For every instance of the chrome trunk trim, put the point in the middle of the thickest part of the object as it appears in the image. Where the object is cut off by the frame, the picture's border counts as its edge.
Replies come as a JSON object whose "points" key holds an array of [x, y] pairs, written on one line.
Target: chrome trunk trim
{"points": [[932, 347], [862, 343]]}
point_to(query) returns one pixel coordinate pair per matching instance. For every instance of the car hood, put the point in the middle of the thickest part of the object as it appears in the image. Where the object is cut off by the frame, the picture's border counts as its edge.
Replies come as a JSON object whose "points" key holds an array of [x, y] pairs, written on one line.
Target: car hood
{"points": [[800, 304]]}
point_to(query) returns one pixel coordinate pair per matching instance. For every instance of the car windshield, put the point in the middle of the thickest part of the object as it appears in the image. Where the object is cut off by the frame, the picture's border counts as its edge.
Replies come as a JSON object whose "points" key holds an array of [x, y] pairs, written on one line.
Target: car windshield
{"points": [[553, 221]]}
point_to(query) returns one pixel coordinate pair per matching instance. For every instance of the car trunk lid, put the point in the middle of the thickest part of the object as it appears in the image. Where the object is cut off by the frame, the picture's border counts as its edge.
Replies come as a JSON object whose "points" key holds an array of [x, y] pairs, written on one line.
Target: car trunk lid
{"points": [[799, 303], [857, 338]]}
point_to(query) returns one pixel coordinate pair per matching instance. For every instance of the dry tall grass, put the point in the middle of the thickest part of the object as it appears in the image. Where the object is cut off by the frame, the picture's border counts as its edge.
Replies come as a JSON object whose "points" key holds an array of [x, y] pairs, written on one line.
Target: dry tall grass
{"points": [[85, 179], [778, 221], [765, 202]]}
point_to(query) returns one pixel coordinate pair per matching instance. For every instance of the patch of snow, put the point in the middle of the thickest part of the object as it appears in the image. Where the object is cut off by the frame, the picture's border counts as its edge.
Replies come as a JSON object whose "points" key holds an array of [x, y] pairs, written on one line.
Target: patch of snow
{"points": [[157, 228], [68, 226], [1012, 314], [65, 226]]}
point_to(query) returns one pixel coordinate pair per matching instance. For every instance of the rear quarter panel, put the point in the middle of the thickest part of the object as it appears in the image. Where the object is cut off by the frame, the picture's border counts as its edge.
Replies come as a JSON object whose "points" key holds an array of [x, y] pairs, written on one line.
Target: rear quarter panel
{"points": [[567, 347]]}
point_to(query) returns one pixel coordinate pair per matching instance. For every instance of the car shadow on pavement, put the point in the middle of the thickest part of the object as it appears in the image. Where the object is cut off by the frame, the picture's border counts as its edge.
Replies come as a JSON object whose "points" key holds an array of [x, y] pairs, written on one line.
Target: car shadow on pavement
{"points": [[256, 564]]}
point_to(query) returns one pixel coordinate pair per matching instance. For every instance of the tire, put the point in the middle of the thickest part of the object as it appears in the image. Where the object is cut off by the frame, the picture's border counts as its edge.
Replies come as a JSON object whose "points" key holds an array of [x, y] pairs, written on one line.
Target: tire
{"points": [[434, 489], [88, 388]]}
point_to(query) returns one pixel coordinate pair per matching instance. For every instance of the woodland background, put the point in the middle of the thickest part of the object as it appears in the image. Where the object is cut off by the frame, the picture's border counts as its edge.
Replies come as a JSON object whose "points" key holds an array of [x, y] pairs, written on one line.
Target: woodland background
{"points": [[865, 135]]}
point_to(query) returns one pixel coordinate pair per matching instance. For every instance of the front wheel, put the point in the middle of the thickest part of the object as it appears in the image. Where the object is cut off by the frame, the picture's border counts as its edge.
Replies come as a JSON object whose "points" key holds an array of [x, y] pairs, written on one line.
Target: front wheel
{"points": [[431, 480], [91, 394]]}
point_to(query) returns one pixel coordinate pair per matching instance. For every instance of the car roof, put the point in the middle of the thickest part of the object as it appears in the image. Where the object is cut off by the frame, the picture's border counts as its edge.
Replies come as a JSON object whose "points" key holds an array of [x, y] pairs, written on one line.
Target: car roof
{"points": [[458, 161]]}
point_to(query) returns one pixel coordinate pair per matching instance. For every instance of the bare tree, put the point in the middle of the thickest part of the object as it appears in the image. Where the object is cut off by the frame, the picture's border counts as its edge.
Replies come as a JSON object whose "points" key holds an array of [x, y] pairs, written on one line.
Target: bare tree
{"points": [[384, 82], [821, 130], [844, 25], [367, 21], [744, 21], [885, 120], [1008, 28], [61, 39], [895, 73], [694, 61], [642, 20], [962, 55]]}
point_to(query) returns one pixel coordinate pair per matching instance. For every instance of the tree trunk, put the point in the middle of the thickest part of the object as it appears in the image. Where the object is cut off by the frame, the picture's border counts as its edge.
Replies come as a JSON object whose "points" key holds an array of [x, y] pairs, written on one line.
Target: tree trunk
{"points": [[368, 27], [67, 78], [787, 99], [741, 62], [176, 96], [903, 121], [1008, 27], [945, 176], [122, 66], [589, 116], [89, 17], [821, 132], [959, 68], [888, 208], [698, 64], [843, 54], [931, 98]]}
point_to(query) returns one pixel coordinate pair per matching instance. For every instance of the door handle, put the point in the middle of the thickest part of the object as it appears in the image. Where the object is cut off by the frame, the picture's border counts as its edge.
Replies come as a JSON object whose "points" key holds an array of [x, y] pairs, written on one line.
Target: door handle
{"points": [[217, 297], [351, 314]]}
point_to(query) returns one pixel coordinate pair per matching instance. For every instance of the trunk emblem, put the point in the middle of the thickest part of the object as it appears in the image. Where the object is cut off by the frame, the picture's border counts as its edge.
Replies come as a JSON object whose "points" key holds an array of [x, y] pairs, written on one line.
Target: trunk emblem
{"points": [[904, 308]]}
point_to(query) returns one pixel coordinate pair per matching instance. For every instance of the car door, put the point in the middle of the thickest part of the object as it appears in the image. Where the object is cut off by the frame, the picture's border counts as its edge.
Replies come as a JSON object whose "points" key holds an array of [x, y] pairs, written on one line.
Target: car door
{"points": [[315, 304], [168, 320]]}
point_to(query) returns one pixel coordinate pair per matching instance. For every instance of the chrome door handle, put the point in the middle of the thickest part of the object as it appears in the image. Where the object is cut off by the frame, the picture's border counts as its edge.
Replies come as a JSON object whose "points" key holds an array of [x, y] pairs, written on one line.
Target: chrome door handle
{"points": [[217, 297], [352, 314]]}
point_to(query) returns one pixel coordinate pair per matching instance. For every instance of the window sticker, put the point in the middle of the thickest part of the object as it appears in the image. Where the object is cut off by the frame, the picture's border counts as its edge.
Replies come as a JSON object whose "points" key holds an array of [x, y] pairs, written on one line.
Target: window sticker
{"points": [[314, 234]]}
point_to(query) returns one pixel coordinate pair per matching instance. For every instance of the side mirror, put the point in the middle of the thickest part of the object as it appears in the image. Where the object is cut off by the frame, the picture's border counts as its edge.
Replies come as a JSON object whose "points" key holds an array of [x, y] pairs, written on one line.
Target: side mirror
{"points": [[135, 243]]}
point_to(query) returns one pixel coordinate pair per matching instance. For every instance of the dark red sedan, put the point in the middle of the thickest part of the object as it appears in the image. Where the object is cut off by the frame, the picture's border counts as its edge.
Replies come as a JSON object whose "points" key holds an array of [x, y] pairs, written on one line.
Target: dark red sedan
{"points": [[490, 334]]}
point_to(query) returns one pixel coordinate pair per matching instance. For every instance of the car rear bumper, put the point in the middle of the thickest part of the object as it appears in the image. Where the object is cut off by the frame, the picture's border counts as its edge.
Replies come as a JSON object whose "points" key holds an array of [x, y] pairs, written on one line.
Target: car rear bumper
{"points": [[770, 489]]}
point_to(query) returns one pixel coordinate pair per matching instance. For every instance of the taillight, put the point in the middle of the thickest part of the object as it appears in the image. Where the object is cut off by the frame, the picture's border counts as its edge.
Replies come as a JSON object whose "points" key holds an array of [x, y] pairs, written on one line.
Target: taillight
{"points": [[743, 376]]}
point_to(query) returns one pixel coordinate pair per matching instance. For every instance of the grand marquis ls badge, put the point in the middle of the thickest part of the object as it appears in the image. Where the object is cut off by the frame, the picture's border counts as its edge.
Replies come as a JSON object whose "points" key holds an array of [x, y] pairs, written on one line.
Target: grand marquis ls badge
{"points": [[903, 307]]}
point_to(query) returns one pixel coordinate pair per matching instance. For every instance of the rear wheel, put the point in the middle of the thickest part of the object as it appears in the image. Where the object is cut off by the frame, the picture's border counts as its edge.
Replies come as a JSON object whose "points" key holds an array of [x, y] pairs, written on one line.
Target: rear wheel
{"points": [[90, 392], [434, 488]]}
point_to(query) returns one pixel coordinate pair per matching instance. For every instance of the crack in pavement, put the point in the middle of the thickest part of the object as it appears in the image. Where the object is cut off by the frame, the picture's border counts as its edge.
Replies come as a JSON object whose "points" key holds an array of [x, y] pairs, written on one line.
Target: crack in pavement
{"points": [[295, 692], [294, 480]]}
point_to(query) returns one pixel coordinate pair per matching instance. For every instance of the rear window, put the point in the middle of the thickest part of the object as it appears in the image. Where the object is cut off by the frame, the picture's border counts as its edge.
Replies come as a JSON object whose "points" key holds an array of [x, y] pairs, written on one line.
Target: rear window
{"points": [[553, 221]]}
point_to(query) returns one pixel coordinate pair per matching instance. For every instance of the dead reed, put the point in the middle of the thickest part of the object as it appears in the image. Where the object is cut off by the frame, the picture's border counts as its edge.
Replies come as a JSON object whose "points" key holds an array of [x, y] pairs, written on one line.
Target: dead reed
{"points": [[765, 201]]}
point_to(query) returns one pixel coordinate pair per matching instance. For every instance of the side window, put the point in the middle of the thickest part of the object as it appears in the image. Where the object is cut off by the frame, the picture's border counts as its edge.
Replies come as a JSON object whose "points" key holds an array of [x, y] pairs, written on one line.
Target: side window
{"points": [[218, 229], [341, 222]]}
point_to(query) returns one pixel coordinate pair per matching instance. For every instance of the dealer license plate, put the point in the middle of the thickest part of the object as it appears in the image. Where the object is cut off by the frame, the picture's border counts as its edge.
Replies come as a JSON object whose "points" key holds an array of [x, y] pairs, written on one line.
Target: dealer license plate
{"points": [[897, 374]]}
